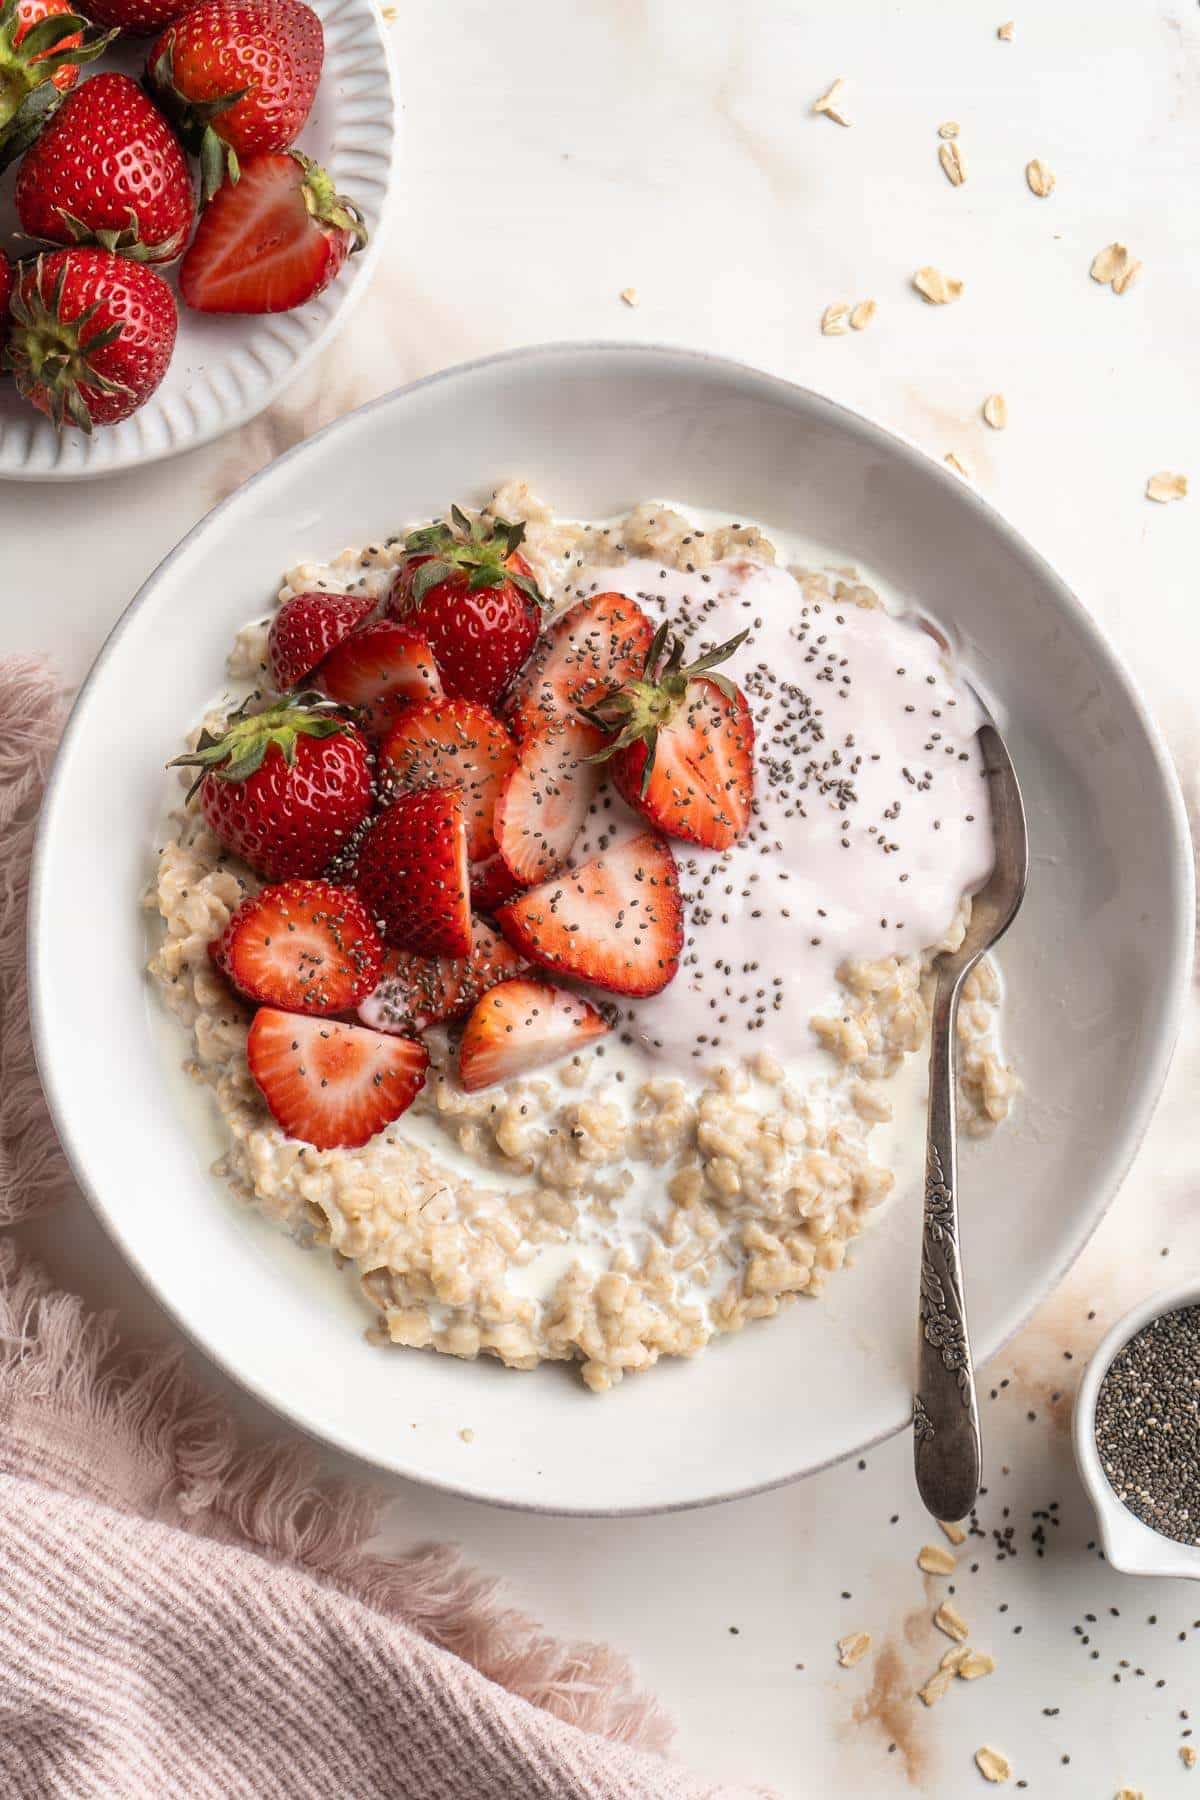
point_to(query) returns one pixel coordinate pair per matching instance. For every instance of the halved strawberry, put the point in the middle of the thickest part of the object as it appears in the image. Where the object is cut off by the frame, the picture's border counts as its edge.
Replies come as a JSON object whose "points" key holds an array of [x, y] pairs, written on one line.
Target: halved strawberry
{"points": [[414, 876], [272, 237], [378, 669], [545, 800], [492, 883], [332, 1085], [684, 752], [306, 946], [523, 1025], [435, 743], [587, 652], [305, 629], [614, 921], [414, 992]]}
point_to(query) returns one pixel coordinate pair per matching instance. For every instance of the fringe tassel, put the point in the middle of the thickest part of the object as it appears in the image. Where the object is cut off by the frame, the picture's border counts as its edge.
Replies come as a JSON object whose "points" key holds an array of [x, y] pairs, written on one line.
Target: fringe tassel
{"points": [[33, 1175]]}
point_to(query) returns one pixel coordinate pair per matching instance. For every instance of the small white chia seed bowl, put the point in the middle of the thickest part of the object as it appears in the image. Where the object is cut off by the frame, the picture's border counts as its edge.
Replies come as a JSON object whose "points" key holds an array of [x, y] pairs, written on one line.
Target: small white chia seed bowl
{"points": [[1130, 1546]]}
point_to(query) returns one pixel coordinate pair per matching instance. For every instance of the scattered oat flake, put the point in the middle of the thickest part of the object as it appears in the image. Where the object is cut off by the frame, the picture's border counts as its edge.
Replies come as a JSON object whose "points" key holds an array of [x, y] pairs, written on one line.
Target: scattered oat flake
{"points": [[835, 319], [852, 1649], [467, 1435], [957, 464], [937, 1687], [995, 411], [1005, 32], [935, 1561], [992, 1764], [935, 287], [948, 128], [1040, 177], [1126, 277], [1108, 263], [954, 1658], [1165, 486], [951, 159], [1129, 1794], [862, 315], [1187, 1756], [830, 103], [975, 1664], [955, 1532], [947, 1618], [630, 296], [391, 14]]}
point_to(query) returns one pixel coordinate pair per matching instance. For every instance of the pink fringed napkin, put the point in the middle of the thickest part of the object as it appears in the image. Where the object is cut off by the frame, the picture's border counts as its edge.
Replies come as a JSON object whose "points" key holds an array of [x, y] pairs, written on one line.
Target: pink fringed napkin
{"points": [[180, 1615]]}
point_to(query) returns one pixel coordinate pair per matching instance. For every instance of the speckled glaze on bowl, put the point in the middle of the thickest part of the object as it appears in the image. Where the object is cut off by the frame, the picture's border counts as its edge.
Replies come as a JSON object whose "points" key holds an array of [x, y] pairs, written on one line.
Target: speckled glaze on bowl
{"points": [[1097, 964], [226, 370]]}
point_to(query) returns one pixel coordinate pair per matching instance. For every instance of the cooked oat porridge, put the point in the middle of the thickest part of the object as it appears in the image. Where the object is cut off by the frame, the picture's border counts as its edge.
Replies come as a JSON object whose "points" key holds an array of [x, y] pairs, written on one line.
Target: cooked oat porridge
{"points": [[692, 1158]]}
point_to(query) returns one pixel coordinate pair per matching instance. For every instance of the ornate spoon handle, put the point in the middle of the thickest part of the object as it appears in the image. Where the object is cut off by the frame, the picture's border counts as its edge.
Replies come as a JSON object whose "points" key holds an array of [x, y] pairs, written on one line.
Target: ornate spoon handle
{"points": [[946, 1447]]}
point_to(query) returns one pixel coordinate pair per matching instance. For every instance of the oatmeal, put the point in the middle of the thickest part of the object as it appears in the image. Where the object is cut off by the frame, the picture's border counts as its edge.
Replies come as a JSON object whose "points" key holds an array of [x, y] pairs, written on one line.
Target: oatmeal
{"points": [[707, 1158]]}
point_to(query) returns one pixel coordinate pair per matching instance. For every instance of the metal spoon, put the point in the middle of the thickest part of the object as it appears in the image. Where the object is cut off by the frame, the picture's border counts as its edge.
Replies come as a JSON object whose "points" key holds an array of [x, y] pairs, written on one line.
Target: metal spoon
{"points": [[946, 1448]]}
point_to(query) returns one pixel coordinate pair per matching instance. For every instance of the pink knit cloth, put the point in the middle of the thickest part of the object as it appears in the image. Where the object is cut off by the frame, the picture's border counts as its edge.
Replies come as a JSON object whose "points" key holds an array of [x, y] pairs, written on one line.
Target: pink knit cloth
{"points": [[180, 1615]]}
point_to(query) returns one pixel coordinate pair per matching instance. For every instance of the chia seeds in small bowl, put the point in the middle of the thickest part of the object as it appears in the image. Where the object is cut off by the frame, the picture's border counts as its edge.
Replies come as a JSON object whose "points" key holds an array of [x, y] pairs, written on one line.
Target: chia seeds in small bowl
{"points": [[1137, 1436]]}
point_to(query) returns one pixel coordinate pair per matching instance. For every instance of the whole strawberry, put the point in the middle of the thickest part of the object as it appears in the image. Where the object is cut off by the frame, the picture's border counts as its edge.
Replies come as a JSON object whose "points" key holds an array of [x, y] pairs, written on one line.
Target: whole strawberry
{"points": [[91, 335], [42, 43], [271, 240], [283, 789], [237, 78], [108, 170], [468, 590]]}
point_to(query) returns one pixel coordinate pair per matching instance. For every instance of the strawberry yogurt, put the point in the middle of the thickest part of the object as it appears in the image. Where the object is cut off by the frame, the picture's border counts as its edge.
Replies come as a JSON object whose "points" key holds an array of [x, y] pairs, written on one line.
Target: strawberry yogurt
{"points": [[711, 1157]]}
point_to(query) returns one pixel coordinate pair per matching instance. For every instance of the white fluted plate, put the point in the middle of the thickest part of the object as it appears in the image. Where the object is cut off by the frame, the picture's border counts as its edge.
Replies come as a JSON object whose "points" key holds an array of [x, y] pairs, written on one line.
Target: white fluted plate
{"points": [[225, 371]]}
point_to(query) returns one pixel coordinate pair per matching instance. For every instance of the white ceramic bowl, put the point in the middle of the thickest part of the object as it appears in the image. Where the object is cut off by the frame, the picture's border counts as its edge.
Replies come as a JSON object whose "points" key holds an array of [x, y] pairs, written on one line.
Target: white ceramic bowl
{"points": [[1097, 963], [1130, 1546], [226, 370]]}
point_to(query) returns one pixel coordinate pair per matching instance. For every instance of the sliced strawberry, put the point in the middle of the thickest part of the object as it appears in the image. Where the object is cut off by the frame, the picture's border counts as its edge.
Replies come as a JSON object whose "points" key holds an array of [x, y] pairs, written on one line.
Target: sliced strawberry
{"points": [[329, 1084], [523, 1025], [306, 946], [413, 873], [414, 992], [436, 743], [586, 653], [546, 798], [305, 629], [683, 754], [614, 921], [492, 883], [379, 669]]}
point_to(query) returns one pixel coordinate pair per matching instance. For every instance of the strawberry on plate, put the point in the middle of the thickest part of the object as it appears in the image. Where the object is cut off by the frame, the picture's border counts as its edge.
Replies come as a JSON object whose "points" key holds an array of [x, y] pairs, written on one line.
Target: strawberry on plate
{"points": [[270, 239], [137, 18], [467, 587], [683, 755], [414, 992], [332, 1085], [437, 743], [237, 78], [305, 946], [413, 873], [91, 335], [379, 669], [305, 629], [108, 170], [522, 1025], [615, 921], [589, 650], [42, 44], [546, 798], [283, 789]]}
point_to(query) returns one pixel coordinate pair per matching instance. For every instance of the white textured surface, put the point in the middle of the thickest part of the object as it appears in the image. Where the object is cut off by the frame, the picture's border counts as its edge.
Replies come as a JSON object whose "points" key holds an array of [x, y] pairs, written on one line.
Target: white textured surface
{"points": [[611, 146], [226, 370]]}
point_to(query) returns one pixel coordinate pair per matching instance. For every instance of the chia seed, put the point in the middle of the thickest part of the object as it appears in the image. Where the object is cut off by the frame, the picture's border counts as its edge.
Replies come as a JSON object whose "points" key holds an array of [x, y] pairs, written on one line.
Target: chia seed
{"points": [[1148, 1425]]}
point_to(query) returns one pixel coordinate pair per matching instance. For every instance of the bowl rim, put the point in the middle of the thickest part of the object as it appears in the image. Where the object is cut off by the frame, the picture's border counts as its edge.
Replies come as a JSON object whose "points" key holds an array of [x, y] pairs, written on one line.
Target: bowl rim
{"points": [[1178, 960], [1131, 1546]]}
